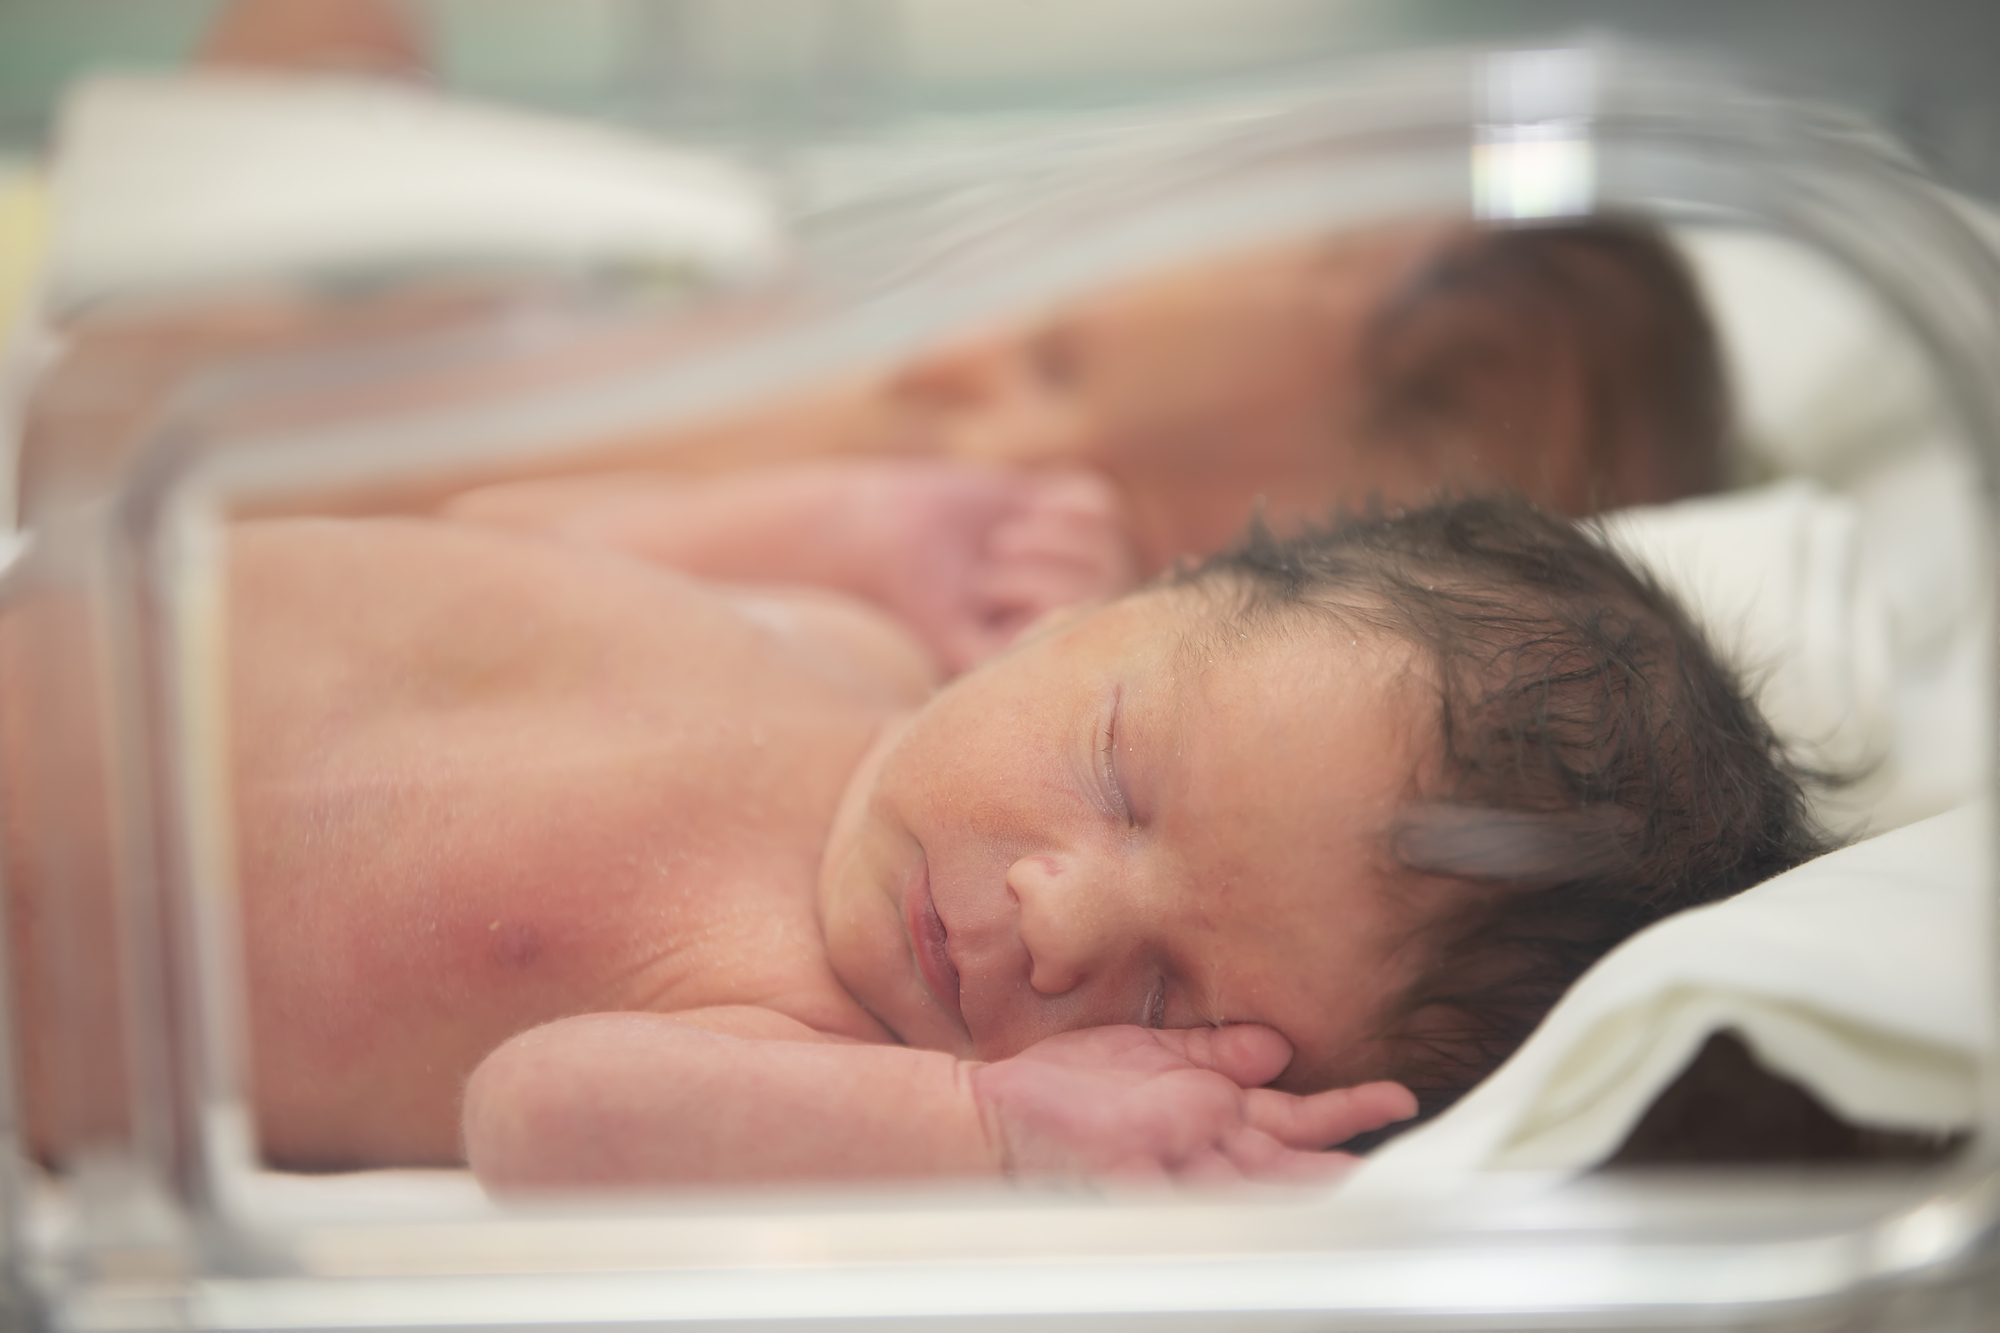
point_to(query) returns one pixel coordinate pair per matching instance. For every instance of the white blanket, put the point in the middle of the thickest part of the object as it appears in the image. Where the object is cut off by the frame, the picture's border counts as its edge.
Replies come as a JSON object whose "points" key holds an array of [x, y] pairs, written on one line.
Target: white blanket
{"points": [[1865, 629], [172, 182], [1865, 975]]}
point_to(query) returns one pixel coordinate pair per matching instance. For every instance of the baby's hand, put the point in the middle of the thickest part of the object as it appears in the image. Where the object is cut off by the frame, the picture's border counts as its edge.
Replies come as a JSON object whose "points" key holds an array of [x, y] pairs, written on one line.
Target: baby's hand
{"points": [[1175, 1104], [969, 556]]}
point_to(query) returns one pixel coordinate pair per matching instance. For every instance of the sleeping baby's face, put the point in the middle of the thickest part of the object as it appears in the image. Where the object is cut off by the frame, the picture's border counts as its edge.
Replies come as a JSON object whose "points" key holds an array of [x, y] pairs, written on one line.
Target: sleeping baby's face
{"points": [[1146, 815], [1199, 391]]}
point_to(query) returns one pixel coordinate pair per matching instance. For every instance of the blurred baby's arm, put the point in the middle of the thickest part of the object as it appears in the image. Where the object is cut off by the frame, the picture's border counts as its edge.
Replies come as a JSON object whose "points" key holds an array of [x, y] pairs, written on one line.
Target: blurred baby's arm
{"points": [[796, 524], [967, 555], [742, 1095]]}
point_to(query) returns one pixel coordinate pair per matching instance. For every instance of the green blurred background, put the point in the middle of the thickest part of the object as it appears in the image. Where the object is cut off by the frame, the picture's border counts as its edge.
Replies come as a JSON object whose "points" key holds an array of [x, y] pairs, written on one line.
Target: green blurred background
{"points": [[1927, 69]]}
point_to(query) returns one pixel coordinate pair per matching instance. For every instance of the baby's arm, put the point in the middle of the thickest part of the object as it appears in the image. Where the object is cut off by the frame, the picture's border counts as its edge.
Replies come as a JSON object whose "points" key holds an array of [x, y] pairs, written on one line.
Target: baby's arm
{"points": [[966, 555], [720, 1095], [744, 1095], [804, 525]]}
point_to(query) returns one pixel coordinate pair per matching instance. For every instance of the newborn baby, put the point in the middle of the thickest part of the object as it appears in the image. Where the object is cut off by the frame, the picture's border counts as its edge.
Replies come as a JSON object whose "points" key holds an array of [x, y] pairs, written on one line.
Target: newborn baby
{"points": [[599, 874], [594, 873], [1571, 362]]}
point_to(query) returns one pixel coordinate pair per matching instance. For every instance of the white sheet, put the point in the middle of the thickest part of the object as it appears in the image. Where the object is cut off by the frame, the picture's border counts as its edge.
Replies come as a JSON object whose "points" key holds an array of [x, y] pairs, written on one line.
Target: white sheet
{"points": [[1864, 625], [1827, 383]]}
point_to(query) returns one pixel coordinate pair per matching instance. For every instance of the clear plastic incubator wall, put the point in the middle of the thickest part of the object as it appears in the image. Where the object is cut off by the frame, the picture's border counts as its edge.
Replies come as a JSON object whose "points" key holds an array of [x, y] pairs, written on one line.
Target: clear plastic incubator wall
{"points": [[1776, 1110]]}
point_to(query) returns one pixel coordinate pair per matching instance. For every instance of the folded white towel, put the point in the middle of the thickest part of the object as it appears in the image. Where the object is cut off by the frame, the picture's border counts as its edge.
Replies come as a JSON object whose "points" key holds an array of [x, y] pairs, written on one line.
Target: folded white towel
{"points": [[173, 181], [1866, 975]]}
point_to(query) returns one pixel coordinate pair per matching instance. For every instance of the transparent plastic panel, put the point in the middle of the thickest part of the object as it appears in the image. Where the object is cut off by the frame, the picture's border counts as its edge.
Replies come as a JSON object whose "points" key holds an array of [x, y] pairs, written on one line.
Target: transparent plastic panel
{"points": [[399, 667]]}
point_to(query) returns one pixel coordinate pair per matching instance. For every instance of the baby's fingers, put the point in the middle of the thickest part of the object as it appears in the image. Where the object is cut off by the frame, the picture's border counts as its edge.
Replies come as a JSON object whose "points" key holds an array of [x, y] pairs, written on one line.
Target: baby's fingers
{"points": [[1247, 1054], [1327, 1118], [1255, 1155]]}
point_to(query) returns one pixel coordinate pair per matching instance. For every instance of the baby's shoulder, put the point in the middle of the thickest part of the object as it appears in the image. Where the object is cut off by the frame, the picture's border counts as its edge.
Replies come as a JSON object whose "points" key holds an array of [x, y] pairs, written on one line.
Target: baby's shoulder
{"points": [[846, 641]]}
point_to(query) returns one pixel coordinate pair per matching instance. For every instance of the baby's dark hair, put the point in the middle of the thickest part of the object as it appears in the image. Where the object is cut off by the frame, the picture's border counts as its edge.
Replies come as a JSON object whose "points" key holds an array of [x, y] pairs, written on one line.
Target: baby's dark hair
{"points": [[1599, 767], [1573, 360]]}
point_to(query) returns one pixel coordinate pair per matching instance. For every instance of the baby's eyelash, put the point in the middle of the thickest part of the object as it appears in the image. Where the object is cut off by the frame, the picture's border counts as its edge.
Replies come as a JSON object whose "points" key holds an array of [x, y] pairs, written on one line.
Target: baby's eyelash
{"points": [[1107, 753]]}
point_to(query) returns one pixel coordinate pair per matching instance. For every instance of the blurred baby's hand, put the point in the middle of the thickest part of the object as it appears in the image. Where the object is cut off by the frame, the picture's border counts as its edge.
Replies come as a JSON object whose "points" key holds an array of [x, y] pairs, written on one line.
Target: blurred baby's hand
{"points": [[969, 556], [1176, 1104]]}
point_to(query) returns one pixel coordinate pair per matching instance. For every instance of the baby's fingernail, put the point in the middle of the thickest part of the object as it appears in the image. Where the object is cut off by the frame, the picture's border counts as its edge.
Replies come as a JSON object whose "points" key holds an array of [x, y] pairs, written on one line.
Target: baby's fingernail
{"points": [[1258, 1034], [1408, 1099]]}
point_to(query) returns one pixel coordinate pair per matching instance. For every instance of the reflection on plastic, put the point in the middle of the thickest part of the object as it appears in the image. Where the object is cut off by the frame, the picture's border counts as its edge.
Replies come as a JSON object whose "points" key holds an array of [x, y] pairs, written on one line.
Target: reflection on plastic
{"points": [[1532, 157]]}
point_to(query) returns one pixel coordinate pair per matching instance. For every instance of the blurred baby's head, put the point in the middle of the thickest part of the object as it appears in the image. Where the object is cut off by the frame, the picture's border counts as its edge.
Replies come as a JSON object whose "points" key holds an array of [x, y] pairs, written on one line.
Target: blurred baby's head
{"points": [[1598, 768], [1572, 361]]}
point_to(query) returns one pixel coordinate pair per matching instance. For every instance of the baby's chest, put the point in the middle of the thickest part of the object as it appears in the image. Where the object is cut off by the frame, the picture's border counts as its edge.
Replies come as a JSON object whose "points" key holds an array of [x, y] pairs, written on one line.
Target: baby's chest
{"points": [[511, 930], [607, 823], [665, 937]]}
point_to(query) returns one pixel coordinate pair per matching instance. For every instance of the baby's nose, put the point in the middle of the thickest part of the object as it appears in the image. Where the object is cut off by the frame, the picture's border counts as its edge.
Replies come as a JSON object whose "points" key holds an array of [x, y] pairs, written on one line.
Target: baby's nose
{"points": [[1071, 922], [963, 374]]}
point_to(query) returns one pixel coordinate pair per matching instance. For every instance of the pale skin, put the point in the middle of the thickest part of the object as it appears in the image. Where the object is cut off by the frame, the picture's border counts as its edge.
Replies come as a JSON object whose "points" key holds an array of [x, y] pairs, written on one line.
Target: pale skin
{"points": [[599, 874]]}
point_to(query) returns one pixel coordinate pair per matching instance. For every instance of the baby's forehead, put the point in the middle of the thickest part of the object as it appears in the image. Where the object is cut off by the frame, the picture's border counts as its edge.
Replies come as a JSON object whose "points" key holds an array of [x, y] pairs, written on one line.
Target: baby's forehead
{"points": [[1296, 713], [1235, 681], [1209, 626]]}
